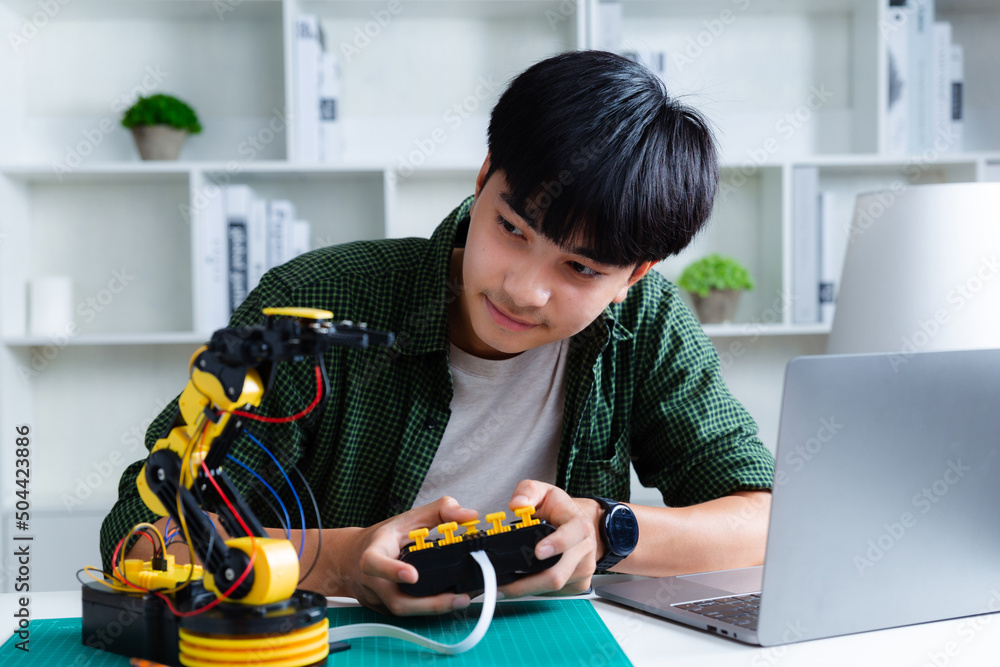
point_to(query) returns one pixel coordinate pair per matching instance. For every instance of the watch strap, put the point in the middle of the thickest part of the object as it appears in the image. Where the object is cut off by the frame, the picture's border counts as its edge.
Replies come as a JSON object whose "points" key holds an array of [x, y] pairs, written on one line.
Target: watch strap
{"points": [[610, 558]]}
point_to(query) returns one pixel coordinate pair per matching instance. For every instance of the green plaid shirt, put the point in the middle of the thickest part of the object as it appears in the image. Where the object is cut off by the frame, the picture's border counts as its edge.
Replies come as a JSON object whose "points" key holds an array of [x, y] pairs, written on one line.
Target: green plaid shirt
{"points": [[643, 386]]}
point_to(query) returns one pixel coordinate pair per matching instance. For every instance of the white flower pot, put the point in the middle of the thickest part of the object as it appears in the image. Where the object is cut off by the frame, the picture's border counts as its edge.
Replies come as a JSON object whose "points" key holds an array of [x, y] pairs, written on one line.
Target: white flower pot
{"points": [[158, 142]]}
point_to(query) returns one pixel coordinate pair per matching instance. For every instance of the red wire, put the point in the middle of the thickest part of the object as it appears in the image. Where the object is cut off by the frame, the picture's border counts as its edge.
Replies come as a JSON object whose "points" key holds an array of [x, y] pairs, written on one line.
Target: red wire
{"points": [[284, 420], [167, 600], [232, 509], [114, 556], [246, 572]]}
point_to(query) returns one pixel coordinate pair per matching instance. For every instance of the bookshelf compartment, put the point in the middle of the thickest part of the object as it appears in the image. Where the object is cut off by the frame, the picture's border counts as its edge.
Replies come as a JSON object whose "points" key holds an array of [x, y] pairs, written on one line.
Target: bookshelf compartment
{"points": [[975, 26], [90, 407], [418, 84], [811, 100], [121, 238], [97, 57], [340, 205], [746, 225]]}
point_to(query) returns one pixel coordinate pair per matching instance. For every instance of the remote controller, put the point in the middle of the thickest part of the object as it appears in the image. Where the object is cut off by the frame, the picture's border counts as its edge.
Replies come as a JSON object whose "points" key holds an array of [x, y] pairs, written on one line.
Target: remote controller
{"points": [[447, 565]]}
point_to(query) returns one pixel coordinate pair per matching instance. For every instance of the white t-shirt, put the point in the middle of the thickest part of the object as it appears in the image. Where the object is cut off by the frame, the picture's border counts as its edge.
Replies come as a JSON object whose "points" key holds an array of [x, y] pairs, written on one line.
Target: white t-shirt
{"points": [[505, 426]]}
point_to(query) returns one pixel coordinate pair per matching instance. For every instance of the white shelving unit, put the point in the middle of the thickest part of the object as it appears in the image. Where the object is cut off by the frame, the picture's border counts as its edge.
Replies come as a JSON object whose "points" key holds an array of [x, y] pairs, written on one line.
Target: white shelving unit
{"points": [[785, 82]]}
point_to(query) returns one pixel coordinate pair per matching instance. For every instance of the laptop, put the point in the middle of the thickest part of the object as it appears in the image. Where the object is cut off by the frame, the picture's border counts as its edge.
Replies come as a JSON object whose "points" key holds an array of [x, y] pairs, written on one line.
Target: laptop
{"points": [[885, 509]]}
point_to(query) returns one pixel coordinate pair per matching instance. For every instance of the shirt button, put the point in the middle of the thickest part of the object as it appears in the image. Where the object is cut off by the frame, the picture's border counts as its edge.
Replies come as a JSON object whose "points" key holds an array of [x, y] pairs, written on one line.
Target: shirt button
{"points": [[431, 424]]}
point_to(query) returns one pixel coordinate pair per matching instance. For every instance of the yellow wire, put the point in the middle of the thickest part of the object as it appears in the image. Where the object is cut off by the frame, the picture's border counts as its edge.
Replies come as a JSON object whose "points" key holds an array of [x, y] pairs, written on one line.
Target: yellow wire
{"points": [[121, 558], [185, 465], [156, 531], [136, 528]]}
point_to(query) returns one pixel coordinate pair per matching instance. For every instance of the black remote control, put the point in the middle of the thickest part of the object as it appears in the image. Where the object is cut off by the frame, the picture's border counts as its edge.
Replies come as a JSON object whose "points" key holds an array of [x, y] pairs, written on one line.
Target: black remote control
{"points": [[447, 565]]}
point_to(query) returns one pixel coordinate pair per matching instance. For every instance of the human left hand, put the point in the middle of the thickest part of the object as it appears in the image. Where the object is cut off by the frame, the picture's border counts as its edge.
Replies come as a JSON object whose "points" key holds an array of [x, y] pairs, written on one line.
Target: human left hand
{"points": [[576, 538]]}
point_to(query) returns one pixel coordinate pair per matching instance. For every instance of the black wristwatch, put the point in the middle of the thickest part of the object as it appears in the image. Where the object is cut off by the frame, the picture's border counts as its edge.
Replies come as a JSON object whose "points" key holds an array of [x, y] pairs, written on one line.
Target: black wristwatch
{"points": [[619, 531]]}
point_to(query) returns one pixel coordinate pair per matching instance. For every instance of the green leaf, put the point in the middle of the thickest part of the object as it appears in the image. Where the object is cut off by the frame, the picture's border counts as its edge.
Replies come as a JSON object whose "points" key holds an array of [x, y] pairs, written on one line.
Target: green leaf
{"points": [[715, 272], [162, 109]]}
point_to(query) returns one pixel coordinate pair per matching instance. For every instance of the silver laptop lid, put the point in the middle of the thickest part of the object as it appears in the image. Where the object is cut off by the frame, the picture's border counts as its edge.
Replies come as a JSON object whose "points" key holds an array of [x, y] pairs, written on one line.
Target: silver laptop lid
{"points": [[886, 507]]}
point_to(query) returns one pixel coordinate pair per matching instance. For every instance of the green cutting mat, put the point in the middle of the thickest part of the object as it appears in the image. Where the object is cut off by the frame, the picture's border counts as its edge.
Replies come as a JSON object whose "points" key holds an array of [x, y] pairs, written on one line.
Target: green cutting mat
{"points": [[556, 632]]}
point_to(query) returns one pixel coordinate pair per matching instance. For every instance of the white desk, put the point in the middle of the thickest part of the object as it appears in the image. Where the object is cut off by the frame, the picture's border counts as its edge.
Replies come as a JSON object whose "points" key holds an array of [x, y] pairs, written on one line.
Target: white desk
{"points": [[647, 640]]}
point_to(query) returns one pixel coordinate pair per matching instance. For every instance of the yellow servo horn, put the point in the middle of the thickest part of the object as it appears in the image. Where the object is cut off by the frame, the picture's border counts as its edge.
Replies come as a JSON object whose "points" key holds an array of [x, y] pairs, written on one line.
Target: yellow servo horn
{"points": [[496, 519], [448, 530], [418, 536], [525, 514], [309, 313]]}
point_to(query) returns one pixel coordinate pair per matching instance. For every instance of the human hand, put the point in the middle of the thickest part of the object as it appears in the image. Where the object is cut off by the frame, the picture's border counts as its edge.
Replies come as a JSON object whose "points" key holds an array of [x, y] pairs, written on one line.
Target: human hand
{"points": [[376, 569], [575, 520]]}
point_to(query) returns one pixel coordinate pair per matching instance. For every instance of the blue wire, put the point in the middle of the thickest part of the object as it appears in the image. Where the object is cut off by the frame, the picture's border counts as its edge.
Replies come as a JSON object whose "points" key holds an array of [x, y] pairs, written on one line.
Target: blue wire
{"points": [[302, 514], [269, 488], [177, 530]]}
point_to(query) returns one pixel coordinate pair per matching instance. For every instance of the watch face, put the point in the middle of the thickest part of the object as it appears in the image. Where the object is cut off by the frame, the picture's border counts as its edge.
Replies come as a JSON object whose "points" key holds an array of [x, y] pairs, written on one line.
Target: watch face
{"points": [[623, 530]]}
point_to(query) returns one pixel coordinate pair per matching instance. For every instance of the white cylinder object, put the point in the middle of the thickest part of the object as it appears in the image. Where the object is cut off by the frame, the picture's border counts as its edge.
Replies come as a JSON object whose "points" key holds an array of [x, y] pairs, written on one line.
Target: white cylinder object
{"points": [[50, 306], [922, 271]]}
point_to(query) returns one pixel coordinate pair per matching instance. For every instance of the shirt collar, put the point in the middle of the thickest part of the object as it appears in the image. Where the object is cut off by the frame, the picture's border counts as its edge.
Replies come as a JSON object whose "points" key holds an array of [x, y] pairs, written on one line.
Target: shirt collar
{"points": [[610, 319]]}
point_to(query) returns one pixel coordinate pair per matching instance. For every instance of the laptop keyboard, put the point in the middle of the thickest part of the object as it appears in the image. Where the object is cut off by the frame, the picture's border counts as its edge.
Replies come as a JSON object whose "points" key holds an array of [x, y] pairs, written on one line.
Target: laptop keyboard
{"points": [[739, 610]]}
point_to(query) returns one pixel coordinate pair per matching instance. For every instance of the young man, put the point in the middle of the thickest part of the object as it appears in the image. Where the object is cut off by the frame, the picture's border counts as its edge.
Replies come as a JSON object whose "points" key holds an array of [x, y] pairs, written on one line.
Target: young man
{"points": [[537, 357]]}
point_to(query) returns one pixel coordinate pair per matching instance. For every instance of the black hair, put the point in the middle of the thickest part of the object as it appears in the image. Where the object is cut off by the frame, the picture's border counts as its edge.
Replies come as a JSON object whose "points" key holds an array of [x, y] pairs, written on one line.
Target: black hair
{"points": [[596, 153]]}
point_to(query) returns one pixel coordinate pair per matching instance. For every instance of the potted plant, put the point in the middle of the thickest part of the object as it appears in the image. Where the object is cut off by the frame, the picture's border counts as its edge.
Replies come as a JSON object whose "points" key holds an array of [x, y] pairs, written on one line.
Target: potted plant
{"points": [[159, 124], [715, 283]]}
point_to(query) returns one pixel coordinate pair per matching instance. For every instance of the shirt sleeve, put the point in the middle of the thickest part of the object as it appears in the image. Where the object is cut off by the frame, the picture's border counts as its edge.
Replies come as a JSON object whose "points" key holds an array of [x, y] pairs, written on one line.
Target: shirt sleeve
{"points": [[692, 439], [293, 388]]}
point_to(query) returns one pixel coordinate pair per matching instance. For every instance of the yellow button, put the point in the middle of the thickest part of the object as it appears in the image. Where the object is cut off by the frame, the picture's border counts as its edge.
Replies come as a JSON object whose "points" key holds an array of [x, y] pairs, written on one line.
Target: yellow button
{"points": [[525, 513], [496, 519], [418, 536], [447, 529]]}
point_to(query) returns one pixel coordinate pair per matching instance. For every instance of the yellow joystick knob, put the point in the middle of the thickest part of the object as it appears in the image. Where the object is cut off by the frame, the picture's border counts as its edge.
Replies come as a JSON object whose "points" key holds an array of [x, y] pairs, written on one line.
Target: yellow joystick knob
{"points": [[496, 519], [525, 514], [471, 528], [447, 529], [418, 536]]}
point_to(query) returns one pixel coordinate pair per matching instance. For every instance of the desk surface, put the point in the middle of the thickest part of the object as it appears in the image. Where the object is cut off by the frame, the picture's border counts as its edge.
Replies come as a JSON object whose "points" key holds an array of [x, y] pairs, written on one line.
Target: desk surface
{"points": [[647, 640]]}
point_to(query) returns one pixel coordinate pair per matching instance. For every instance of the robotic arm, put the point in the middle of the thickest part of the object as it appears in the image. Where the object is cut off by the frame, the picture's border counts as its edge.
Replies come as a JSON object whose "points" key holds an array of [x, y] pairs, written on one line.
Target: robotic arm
{"points": [[232, 372], [255, 575]]}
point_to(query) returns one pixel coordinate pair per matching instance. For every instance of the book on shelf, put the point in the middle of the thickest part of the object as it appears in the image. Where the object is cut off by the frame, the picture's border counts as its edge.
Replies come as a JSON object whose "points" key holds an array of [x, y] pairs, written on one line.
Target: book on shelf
{"points": [[281, 214], [331, 138], [829, 258], [257, 243], [319, 128], [920, 99], [210, 262], [308, 48], [805, 245], [941, 90], [896, 135], [957, 72], [238, 201]]}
